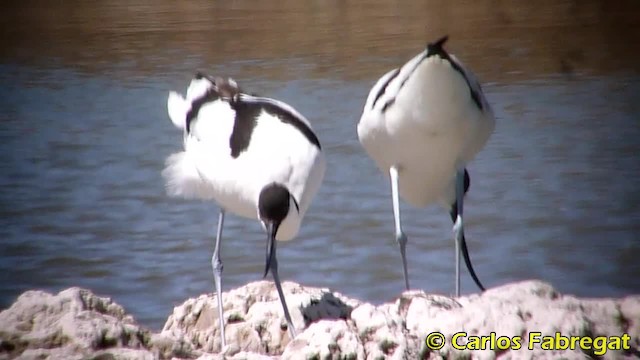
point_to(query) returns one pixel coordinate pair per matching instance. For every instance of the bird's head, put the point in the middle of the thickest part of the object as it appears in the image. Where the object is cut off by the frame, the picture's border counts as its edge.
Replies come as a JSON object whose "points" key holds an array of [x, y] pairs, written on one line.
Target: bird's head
{"points": [[274, 204]]}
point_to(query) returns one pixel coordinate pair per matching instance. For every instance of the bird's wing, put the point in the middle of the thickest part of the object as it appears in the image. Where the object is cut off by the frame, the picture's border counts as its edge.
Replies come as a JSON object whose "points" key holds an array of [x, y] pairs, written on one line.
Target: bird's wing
{"points": [[177, 107], [473, 82]]}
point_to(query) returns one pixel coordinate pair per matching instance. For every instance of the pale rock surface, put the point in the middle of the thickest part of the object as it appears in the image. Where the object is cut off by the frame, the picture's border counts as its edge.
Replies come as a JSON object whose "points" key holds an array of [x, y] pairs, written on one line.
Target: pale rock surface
{"points": [[75, 324], [517, 310], [238, 356], [253, 316], [325, 339]]}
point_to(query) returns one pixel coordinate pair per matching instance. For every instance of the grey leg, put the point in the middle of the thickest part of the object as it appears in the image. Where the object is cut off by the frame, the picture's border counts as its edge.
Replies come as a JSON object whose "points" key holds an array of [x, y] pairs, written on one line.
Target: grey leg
{"points": [[401, 238], [216, 263]]}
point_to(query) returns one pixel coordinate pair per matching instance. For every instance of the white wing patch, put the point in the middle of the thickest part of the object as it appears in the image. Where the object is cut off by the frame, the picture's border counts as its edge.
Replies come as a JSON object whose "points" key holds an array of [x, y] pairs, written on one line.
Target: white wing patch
{"points": [[178, 107]]}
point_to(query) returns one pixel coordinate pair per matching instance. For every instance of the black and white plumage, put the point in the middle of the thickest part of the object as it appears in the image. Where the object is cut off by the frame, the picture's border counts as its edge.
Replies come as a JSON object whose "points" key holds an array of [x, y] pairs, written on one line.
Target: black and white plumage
{"points": [[422, 123], [254, 156]]}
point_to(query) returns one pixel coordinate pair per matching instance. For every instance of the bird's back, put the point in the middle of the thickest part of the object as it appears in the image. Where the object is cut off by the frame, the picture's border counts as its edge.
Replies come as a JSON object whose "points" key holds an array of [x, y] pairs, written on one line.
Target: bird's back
{"points": [[236, 144], [428, 118]]}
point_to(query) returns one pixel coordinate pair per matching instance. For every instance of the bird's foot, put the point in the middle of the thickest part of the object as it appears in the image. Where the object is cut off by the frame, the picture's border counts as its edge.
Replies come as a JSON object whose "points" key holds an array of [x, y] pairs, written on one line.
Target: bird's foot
{"points": [[402, 240]]}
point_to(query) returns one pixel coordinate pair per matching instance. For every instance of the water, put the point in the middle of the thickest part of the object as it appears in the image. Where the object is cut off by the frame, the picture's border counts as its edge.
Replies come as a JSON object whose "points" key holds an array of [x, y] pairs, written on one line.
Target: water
{"points": [[84, 134]]}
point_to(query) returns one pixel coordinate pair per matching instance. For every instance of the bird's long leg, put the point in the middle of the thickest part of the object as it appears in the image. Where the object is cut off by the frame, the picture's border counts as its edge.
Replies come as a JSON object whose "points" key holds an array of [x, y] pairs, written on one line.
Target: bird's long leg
{"points": [[401, 238], [272, 264], [216, 263]]}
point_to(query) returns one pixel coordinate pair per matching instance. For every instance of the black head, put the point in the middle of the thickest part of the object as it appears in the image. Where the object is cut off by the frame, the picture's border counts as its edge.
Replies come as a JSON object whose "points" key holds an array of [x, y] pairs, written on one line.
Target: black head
{"points": [[273, 203], [467, 181], [454, 207], [273, 207]]}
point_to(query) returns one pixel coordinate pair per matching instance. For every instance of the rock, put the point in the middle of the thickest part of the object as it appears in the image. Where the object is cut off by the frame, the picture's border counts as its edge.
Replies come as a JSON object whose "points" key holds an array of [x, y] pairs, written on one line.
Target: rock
{"points": [[75, 324], [325, 339], [382, 331], [253, 316], [239, 356], [517, 310]]}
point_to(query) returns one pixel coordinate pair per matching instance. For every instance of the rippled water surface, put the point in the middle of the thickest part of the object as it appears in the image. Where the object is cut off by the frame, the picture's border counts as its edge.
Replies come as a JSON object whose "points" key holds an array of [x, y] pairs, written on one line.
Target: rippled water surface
{"points": [[84, 134]]}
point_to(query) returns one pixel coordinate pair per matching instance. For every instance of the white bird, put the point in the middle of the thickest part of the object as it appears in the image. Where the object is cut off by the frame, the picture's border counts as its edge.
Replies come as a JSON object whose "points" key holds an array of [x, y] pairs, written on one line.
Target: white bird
{"points": [[422, 123], [254, 156]]}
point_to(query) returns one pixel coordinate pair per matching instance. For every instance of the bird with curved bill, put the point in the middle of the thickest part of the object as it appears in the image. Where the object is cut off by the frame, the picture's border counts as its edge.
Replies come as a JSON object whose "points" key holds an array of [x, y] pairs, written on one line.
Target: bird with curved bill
{"points": [[254, 156], [422, 123]]}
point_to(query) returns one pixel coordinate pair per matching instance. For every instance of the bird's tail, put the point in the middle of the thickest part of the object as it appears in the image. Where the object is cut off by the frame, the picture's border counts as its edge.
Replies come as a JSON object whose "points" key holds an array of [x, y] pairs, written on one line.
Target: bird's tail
{"points": [[183, 179], [178, 108]]}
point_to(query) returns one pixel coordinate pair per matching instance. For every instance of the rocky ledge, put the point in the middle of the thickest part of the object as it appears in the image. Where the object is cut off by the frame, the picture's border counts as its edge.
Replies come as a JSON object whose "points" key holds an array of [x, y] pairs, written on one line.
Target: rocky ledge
{"points": [[76, 324]]}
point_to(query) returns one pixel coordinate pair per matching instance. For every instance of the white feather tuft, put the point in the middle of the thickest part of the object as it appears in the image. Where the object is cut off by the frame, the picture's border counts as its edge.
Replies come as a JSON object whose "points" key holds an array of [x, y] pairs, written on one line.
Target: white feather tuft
{"points": [[198, 88], [183, 179], [178, 107]]}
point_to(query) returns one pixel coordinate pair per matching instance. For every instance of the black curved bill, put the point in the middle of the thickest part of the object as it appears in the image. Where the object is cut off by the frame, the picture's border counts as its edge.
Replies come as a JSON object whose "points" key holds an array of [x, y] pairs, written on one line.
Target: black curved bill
{"points": [[271, 247]]}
